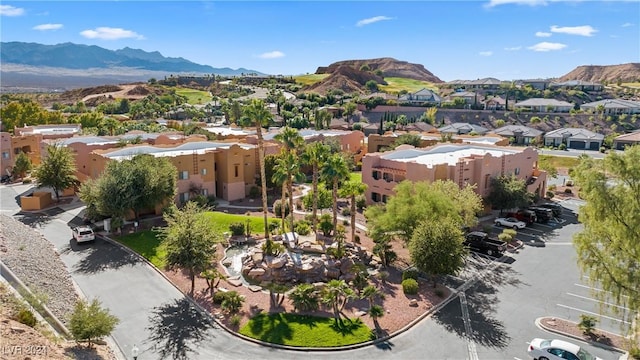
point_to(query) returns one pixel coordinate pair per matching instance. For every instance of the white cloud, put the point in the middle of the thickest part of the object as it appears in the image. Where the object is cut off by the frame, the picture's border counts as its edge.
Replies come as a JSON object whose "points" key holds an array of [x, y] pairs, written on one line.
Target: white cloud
{"points": [[542, 34], [585, 30], [45, 27], [271, 55], [372, 20], [547, 46], [493, 3], [107, 33], [513, 48], [8, 10], [485, 53], [627, 25]]}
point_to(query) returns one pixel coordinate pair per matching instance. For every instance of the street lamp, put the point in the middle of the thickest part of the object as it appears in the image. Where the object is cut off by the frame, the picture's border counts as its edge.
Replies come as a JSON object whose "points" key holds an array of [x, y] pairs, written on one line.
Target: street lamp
{"points": [[134, 352]]}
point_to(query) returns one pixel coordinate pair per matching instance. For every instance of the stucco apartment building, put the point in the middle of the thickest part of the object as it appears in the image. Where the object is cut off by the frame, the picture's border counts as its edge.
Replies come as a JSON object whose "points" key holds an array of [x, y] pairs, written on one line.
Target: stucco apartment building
{"points": [[221, 169], [463, 164], [376, 142]]}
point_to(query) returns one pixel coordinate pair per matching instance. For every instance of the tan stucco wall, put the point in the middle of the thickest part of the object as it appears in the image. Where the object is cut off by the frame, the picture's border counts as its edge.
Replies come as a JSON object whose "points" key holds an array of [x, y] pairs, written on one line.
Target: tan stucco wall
{"points": [[37, 201]]}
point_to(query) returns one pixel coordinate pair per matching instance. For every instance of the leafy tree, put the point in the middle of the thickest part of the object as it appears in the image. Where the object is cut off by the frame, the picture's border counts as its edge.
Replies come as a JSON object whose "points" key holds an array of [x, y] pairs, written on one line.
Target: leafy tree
{"points": [[409, 139], [258, 115], [383, 248], [608, 248], [323, 198], [336, 294], [436, 248], [349, 109], [333, 171], [314, 155], [212, 276], [508, 192], [57, 169], [352, 189], [22, 165], [416, 202], [89, 321], [305, 297], [190, 240], [371, 85]]}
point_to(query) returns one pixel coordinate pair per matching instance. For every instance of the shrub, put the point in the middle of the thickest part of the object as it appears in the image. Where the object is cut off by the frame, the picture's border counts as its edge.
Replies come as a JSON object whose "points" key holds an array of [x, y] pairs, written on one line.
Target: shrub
{"points": [[26, 181], [587, 324], [25, 316], [410, 286], [237, 228], [361, 202], [552, 187], [550, 194], [219, 297], [345, 212], [235, 320], [634, 353], [302, 227], [277, 208], [345, 222], [254, 192], [562, 147], [410, 274], [326, 224], [568, 191], [357, 239], [439, 293]]}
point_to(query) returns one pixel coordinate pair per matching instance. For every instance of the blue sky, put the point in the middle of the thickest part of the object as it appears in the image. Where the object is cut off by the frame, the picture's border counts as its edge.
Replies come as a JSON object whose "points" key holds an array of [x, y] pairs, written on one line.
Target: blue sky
{"points": [[506, 39]]}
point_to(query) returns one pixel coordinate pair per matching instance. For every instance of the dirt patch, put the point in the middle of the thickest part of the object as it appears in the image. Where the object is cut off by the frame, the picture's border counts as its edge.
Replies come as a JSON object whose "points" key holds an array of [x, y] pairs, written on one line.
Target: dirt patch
{"points": [[598, 336]]}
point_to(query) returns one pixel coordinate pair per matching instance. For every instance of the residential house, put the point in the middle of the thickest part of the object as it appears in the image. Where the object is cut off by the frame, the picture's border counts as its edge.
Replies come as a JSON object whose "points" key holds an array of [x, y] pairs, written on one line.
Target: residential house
{"points": [[469, 98], [494, 103], [462, 128], [544, 105], [625, 140], [519, 134], [484, 83], [538, 84], [14, 145], [578, 85], [464, 164], [423, 96], [613, 106], [574, 138], [350, 141], [420, 126]]}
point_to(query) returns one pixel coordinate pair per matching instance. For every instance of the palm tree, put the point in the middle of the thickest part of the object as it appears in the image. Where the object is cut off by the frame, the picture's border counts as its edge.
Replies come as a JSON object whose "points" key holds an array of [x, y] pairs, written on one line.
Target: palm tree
{"points": [[290, 138], [352, 189], [314, 154], [288, 169], [232, 302], [336, 295], [376, 311], [304, 297], [258, 115], [370, 293], [280, 177], [292, 141], [334, 170]]}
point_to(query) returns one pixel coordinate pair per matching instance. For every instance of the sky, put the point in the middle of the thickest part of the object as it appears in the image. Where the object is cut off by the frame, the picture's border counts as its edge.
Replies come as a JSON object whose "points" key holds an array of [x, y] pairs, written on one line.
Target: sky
{"points": [[455, 40]]}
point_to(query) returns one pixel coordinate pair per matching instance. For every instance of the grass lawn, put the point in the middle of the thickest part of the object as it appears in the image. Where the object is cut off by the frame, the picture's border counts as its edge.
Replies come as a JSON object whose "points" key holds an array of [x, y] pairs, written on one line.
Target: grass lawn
{"points": [[309, 331], [355, 176], [397, 84], [194, 97], [147, 244], [221, 221], [560, 161], [309, 79]]}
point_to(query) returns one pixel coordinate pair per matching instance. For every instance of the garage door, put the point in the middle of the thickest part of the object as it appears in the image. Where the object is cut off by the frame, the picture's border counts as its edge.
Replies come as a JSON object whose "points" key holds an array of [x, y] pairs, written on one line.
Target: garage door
{"points": [[594, 146], [577, 144]]}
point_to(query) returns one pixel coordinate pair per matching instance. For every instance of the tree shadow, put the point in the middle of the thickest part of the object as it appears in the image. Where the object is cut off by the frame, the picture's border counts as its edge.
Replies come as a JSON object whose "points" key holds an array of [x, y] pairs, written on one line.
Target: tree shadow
{"points": [[34, 220], [275, 328], [177, 328], [101, 256]]}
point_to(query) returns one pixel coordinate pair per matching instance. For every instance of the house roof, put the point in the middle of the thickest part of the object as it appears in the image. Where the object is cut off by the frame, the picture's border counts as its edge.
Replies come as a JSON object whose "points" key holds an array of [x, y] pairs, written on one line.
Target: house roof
{"points": [[449, 154], [574, 133], [576, 83], [483, 81], [543, 102], [632, 137], [196, 147], [496, 99], [613, 104], [456, 127], [419, 126], [512, 130], [307, 133], [226, 130], [50, 129], [462, 94]]}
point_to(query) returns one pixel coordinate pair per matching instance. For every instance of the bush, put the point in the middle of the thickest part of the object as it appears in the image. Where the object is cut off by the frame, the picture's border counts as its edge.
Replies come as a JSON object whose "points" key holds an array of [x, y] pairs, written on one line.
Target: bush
{"points": [[326, 224], [568, 191], [634, 353], [302, 227], [27, 181], [219, 297], [361, 202], [562, 147], [235, 320], [277, 208], [550, 194], [345, 212], [25, 316], [410, 286], [357, 239], [587, 324], [237, 228], [410, 274], [254, 192], [439, 293]]}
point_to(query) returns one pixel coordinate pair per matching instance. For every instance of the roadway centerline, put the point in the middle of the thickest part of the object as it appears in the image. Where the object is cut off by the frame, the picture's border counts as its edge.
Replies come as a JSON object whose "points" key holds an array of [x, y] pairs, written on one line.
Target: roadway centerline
{"points": [[596, 300], [592, 313]]}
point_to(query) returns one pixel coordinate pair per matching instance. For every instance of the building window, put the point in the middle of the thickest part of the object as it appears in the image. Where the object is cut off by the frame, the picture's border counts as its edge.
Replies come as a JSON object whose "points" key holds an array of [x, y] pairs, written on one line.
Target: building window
{"points": [[387, 177], [487, 181], [203, 171], [5, 154], [516, 171], [375, 175], [215, 166], [375, 197], [184, 197], [183, 175], [205, 192], [236, 170]]}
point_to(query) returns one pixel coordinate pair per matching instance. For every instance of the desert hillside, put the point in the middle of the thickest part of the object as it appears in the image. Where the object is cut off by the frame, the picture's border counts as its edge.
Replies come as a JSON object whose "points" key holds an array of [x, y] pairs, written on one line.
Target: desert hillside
{"points": [[346, 78], [390, 67], [605, 73]]}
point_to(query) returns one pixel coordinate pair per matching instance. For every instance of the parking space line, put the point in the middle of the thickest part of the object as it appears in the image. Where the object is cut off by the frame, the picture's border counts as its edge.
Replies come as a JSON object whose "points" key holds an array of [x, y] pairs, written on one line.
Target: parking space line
{"points": [[595, 289], [559, 243], [594, 314], [596, 300]]}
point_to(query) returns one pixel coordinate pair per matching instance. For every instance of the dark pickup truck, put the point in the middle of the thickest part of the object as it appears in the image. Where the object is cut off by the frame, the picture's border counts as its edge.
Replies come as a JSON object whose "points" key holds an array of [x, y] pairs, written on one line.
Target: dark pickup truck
{"points": [[481, 242]]}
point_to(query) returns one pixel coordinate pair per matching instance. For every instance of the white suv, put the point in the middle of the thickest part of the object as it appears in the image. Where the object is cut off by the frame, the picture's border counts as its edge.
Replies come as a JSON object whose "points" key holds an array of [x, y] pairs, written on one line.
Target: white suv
{"points": [[83, 234]]}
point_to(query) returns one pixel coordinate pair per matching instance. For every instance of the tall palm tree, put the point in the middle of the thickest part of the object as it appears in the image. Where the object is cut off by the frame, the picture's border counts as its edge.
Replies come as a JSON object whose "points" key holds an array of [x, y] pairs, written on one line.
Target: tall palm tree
{"points": [[290, 138], [258, 116], [336, 295], [352, 189], [314, 154], [292, 141], [376, 311], [288, 165], [334, 170], [280, 177], [370, 292]]}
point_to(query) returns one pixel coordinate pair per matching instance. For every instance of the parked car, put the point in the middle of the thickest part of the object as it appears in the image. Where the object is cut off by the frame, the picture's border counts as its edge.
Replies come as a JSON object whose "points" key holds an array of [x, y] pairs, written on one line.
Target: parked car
{"points": [[543, 349], [5, 179], [527, 216], [481, 242], [555, 208], [83, 234], [542, 214], [510, 222]]}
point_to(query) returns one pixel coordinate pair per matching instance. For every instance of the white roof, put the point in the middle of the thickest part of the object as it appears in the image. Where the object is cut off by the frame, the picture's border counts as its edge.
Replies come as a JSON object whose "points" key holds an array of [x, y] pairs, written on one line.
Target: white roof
{"points": [[199, 147], [225, 131], [51, 130], [444, 154]]}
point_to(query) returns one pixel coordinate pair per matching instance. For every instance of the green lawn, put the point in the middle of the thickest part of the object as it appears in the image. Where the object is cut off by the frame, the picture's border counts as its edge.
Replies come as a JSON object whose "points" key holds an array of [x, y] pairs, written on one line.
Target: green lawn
{"points": [[309, 79], [221, 221], [147, 244], [308, 331], [560, 161], [194, 97], [398, 84]]}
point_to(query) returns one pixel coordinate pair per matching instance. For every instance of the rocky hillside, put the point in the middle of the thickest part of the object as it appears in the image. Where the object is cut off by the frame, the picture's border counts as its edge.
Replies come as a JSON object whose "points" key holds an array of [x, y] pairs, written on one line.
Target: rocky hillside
{"points": [[605, 74], [390, 67], [345, 78]]}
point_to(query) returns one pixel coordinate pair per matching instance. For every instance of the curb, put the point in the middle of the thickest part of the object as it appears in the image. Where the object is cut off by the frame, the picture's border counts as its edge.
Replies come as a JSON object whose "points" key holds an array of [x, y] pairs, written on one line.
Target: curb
{"points": [[539, 324], [206, 313]]}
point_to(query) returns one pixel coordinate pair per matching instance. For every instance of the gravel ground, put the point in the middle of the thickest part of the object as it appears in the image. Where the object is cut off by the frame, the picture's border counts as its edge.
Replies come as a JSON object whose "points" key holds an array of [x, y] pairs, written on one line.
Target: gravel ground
{"points": [[34, 260]]}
